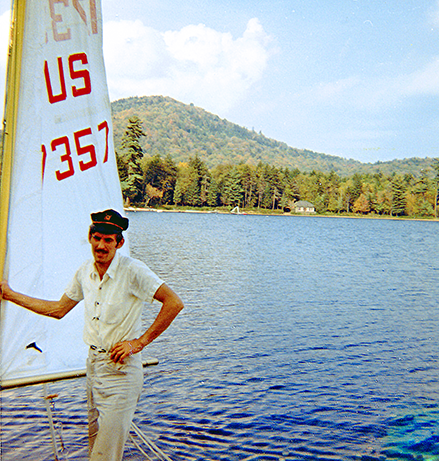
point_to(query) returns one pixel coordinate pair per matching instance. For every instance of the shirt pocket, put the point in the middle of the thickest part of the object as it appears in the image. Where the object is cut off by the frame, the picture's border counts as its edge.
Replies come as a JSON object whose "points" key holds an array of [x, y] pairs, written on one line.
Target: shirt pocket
{"points": [[114, 312]]}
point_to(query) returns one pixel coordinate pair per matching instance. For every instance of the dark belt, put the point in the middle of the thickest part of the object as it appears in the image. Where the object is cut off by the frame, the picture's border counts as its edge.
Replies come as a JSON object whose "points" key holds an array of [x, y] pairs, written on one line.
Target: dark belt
{"points": [[97, 349]]}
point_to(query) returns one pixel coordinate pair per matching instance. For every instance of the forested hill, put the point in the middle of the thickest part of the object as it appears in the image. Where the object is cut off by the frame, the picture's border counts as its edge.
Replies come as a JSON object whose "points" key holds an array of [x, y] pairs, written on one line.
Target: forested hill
{"points": [[184, 130]]}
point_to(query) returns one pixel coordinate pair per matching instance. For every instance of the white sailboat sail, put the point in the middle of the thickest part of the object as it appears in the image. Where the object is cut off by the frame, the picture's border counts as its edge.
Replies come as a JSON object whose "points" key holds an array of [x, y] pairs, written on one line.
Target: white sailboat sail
{"points": [[58, 146]]}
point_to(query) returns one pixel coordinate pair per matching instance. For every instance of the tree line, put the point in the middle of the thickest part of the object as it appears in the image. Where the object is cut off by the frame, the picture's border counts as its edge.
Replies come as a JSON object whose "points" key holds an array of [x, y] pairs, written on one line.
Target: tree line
{"points": [[154, 181]]}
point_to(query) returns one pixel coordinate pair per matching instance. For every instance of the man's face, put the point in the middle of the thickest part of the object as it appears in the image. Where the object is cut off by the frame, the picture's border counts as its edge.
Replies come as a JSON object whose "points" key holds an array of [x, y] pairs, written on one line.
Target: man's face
{"points": [[104, 247]]}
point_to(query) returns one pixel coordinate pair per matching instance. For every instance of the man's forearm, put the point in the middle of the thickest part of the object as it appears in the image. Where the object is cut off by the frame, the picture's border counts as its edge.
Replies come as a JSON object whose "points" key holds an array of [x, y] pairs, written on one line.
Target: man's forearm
{"points": [[171, 306], [167, 314], [55, 309], [39, 306]]}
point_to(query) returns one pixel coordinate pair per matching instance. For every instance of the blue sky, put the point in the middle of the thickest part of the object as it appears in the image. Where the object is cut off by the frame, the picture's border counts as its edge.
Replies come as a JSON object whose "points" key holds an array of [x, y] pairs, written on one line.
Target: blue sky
{"points": [[353, 78]]}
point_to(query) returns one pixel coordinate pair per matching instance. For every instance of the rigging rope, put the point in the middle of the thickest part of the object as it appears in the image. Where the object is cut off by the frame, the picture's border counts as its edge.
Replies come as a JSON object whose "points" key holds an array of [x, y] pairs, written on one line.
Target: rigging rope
{"points": [[149, 443]]}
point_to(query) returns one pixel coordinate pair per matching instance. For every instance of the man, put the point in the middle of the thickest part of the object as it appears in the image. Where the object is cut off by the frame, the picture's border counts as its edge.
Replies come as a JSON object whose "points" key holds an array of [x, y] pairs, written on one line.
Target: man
{"points": [[114, 288]]}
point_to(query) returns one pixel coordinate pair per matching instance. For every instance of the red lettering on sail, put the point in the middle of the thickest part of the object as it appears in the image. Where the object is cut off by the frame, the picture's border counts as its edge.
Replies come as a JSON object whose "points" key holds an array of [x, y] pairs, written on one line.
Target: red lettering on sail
{"points": [[104, 126], [57, 19], [88, 149], [43, 162], [63, 94], [81, 73], [66, 157], [81, 150]]}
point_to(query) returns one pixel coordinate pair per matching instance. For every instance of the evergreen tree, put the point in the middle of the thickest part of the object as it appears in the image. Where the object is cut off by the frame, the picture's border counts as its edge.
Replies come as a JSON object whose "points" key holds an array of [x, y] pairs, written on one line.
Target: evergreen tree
{"points": [[204, 187], [212, 193], [122, 167], [261, 184], [182, 184], [168, 184], [332, 192], [347, 198], [233, 190], [196, 194], [248, 181], [425, 209], [133, 186], [384, 201], [178, 192], [355, 189], [192, 195], [333, 204], [398, 196], [291, 188]]}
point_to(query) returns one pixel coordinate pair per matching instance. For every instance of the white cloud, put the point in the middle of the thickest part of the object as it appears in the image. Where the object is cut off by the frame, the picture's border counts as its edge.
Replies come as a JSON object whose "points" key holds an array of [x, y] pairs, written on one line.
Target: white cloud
{"points": [[195, 64], [372, 94], [133, 50], [425, 81]]}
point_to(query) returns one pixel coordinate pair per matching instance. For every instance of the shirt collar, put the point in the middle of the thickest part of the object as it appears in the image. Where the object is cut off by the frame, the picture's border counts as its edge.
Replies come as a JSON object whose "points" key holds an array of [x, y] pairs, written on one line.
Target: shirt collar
{"points": [[111, 271]]}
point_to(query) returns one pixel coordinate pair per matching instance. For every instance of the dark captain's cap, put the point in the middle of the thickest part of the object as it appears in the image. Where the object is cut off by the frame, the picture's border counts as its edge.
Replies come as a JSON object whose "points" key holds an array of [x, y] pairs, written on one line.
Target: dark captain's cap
{"points": [[109, 222]]}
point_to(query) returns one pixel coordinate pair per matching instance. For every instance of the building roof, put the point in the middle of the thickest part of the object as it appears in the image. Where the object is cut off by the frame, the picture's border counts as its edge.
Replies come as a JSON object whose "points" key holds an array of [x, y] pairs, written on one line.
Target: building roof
{"points": [[304, 203]]}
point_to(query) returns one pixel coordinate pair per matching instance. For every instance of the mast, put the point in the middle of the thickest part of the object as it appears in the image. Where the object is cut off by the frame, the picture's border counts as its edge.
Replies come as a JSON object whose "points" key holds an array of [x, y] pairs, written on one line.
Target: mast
{"points": [[10, 119]]}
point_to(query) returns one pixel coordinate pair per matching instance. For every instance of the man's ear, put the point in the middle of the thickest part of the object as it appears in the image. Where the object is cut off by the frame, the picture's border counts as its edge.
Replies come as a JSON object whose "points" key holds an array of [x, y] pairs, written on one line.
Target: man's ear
{"points": [[120, 244]]}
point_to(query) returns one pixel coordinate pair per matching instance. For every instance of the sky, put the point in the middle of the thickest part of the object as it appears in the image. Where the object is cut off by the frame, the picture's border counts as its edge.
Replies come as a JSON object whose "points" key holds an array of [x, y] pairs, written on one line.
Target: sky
{"points": [[353, 78]]}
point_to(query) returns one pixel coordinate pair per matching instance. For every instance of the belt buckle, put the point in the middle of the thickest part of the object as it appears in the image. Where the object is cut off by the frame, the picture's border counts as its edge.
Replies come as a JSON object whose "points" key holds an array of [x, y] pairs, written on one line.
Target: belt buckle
{"points": [[97, 349]]}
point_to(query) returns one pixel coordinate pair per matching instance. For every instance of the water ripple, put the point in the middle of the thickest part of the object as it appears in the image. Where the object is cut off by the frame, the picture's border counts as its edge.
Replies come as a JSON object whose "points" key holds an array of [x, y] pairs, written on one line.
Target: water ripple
{"points": [[302, 339]]}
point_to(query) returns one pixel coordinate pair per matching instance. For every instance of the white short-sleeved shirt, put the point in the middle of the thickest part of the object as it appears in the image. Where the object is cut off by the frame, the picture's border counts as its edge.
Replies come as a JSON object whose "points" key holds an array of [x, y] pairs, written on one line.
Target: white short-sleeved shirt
{"points": [[113, 305]]}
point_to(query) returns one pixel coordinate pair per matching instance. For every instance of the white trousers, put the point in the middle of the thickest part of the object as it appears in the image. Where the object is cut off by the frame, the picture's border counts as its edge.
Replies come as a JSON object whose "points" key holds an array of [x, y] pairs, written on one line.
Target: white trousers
{"points": [[112, 395]]}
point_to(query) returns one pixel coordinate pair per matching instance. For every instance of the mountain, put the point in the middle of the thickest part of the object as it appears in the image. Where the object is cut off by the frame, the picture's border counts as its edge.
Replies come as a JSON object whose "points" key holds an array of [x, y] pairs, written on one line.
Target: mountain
{"points": [[184, 130]]}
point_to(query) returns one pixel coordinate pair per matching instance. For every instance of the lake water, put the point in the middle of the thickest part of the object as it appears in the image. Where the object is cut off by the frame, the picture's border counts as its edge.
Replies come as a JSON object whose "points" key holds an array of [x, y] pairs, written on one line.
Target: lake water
{"points": [[303, 338]]}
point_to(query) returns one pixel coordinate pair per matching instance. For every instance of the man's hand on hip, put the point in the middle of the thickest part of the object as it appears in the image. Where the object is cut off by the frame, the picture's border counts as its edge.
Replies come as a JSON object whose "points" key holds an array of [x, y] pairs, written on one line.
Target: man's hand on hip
{"points": [[124, 349]]}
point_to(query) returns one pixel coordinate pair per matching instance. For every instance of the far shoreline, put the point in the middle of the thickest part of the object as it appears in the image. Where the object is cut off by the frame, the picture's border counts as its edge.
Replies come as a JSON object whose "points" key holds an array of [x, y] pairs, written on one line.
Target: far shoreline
{"points": [[252, 212]]}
